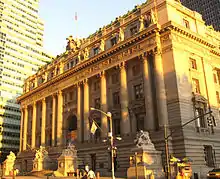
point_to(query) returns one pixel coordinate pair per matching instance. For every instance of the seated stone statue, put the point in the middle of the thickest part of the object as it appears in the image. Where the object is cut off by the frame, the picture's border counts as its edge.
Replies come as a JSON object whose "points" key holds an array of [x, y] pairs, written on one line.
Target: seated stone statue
{"points": [[143, 140]]}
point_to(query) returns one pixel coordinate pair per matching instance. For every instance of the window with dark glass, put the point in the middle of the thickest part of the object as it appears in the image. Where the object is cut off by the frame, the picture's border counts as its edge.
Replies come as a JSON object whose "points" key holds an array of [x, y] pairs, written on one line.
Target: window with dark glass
{"points": [[97, 103], [116, 123], [116, 98], [209, 155], [138, 91], [96, 50], [113, 41], [96, 85], [136, 70], [193, 63], [140, 122], [215, 78], [115, 78], [200, 112], [217, 97], [133, 30], [195, 85]]}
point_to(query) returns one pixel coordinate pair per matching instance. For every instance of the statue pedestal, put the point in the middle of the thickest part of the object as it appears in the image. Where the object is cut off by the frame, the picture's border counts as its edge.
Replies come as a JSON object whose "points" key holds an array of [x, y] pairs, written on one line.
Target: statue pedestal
{"points": [[147, 162], [149, 165], [41, 164], [67, 162]]}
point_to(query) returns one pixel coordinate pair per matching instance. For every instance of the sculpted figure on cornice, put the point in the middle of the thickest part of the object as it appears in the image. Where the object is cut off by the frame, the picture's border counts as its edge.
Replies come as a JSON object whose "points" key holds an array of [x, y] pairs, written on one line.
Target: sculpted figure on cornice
{"points": [[153, 17], [121, 35], [102, 45], [141, 20], [73, 44], [86, 53]]}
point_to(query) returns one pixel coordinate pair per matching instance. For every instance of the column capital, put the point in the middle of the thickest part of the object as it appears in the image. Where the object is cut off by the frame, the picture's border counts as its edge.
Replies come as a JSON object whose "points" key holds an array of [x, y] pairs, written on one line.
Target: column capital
{"points": [[60, 92], [101, 74], [85, 81], [122, 65]]}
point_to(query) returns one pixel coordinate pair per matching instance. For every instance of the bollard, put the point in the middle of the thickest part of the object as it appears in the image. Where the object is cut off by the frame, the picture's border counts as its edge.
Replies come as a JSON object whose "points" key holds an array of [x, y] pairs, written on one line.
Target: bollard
{"points": [[98, 175], [47, 177], [77, 173]]}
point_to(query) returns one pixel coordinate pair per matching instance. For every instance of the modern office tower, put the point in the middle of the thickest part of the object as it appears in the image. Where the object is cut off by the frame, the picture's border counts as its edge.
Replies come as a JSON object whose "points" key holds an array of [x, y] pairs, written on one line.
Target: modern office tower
{"points": [[209, 10], [21, 54]]}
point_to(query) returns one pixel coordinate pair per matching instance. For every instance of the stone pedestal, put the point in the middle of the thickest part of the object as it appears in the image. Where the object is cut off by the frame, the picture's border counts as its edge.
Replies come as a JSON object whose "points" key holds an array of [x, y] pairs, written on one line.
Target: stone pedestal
{"points": [[146, 164], [8, 164], [42, 160], [67, 162]]}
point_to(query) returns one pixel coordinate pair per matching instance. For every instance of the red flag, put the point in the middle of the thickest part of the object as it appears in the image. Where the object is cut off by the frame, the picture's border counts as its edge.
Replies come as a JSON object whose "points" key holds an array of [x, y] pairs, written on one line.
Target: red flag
{"points": [[75, 16]]}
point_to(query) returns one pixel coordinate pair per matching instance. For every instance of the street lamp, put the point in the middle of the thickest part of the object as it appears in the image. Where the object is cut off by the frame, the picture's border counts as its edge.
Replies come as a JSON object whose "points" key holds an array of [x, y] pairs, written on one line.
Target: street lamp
{"points": [[166, 137], [109, 115]]}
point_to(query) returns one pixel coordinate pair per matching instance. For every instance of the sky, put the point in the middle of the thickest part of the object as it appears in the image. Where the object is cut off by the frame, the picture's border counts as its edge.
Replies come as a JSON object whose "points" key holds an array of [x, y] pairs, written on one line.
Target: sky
{"points": [[59, 19]]}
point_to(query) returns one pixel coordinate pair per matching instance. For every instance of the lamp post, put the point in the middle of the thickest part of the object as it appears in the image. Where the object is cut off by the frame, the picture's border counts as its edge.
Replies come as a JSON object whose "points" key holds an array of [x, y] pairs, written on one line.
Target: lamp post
{"points": [[109, 115], [166, 137]]}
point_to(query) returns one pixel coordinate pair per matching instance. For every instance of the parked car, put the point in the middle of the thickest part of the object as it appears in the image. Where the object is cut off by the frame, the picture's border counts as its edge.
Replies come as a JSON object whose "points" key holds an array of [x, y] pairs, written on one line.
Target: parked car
{"points": [[215, 173]]}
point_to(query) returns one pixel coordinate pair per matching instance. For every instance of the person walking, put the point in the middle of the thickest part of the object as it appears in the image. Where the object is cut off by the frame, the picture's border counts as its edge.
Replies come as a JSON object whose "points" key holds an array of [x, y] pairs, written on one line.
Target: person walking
{"points": [[91, 174]]}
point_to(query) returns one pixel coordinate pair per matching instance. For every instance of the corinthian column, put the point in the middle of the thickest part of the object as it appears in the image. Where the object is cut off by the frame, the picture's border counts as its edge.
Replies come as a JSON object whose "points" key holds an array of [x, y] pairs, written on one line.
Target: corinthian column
{"points": [[79, 117], [43, 122], [21, 129], [125, 120], [160, 86], [104, 105], [149, 106], [60, 119], [25, 128], [86, 110], [54, 121], [34, 120]]}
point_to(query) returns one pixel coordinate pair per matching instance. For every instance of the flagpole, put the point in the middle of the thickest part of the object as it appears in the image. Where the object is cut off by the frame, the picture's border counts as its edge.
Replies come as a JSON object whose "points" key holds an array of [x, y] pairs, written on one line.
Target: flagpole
{"points": [[109, 115]]}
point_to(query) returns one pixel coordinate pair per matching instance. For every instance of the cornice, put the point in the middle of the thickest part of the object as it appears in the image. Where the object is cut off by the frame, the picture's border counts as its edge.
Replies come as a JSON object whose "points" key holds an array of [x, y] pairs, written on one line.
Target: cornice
{"points": [[187, 33], [98, 58]]}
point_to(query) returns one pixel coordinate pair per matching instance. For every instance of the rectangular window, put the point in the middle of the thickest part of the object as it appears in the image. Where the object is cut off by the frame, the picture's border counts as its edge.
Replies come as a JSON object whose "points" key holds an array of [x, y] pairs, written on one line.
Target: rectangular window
{"points": [[97, 103], [193, 63], [186, 23], [113, 41], [209, 157], [116, 126], [138, 91], [116, 98], [201, 120], [96, 50], [195, 85], [115, 78], [136, 70], [140, 122], [133, 30], [215, 78], [96, 85], [217, 97]]}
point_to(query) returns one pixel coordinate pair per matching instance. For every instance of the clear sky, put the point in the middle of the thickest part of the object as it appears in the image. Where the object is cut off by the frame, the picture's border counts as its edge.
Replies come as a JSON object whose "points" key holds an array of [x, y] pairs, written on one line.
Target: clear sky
{"points": [[59, 18]]}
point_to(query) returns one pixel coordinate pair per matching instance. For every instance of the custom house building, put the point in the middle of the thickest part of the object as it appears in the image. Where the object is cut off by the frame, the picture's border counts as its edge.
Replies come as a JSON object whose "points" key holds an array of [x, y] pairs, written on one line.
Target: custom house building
{"points": [[158, 65]]}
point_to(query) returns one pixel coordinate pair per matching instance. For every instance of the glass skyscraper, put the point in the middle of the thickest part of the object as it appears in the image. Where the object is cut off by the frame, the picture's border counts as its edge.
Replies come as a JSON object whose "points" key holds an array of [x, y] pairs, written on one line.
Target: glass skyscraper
{"points": [[21, 54]]}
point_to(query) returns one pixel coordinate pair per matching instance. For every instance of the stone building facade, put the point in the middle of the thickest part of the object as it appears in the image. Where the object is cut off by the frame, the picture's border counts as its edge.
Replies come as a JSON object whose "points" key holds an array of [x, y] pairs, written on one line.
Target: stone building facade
{"points": [[158, 65]]}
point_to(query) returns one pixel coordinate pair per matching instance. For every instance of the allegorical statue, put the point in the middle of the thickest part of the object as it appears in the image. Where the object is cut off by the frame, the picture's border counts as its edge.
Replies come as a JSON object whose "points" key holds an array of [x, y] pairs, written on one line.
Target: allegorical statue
{"points": [[41, 153], [141, 20], [11, 156], [121, 35], [143, 140], [102, 45], [86, 53], [71, 44], [153, 17]]}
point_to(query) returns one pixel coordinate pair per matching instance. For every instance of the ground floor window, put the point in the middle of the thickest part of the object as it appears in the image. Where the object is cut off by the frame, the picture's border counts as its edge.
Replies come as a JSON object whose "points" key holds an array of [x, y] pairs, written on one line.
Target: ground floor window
{"points": [[209, 155]]}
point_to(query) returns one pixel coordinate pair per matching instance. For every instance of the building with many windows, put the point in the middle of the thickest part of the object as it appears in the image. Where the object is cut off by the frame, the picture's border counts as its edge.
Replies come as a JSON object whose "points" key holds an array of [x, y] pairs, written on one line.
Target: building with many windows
{"points": [[21, 54], [155, 66], [209, 10]]}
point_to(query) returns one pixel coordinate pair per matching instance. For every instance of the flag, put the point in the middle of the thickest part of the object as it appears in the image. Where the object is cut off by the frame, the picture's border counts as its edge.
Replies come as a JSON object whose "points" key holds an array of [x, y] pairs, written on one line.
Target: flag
{"points": [[75, 16], [93, 128]]}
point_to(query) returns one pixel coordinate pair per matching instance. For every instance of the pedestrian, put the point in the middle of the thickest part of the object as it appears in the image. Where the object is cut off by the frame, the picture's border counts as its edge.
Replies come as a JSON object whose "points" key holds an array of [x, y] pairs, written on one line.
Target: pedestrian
{"points": [[91, 174]]}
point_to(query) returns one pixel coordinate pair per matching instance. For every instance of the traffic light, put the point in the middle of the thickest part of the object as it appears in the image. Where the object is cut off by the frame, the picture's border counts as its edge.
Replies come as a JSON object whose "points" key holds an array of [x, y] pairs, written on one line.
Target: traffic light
{"points": [[210, 121]]}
